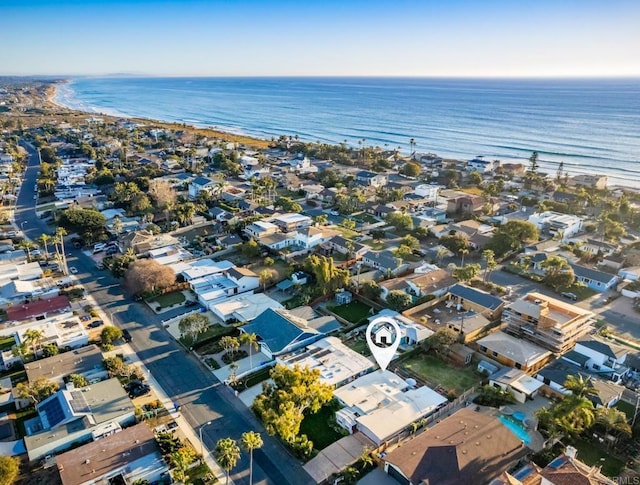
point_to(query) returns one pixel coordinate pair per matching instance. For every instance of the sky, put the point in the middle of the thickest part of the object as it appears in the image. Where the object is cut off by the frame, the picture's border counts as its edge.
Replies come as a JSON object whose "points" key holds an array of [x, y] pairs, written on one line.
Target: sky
{"points": [[449, 38]]}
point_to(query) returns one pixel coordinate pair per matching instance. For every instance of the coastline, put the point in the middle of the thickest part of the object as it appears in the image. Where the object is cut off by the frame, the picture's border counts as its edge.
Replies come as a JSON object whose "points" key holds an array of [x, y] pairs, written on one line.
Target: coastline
{"points": [[215, 132]]}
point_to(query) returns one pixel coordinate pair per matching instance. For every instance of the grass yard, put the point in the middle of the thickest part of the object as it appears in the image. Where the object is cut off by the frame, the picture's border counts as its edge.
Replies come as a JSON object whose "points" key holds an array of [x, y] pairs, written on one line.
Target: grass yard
{"points": [[168, 299], [592, 454], [626, 408], [354, 312], [581, 291], [346, 233], [278, 270], [366, 218], [295, 302], [320, 427], [437, 372], [214, 331], [359, 345], [6, 343]]}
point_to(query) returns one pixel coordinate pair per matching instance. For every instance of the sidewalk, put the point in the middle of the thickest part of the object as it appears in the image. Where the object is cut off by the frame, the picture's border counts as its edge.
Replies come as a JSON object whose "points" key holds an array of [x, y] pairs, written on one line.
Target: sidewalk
{"points": [[189, 432]]}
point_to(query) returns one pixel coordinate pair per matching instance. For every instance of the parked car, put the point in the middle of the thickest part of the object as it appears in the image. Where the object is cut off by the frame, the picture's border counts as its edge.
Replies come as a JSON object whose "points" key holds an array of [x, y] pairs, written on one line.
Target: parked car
{"points": [[95, 324], [569, 295], [126, 336], [73, 270], [137, 389], [191, 303]]}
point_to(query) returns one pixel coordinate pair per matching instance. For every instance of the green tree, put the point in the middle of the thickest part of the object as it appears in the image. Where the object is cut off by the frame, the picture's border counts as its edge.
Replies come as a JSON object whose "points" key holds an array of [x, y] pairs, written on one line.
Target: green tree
{"points": [[467, 272], [265, 278], [38, 390], [490, 263], [287, 204], [581, 386], [400, 221], [455, 243], [146, 276], [321, 219], [403, 252], [475, 178], [328, 277], [110, 334], [613, 419], [410, 241], [398, 300], [82, 220], [230, 344], [511, 237], [250, 249], [292, 393], [34, 337], [412, 169], [9, 469], [421, 233], [181, 460], [558, 274], [371, 289], [78, 380], [348, 224], [227, 454], [50, 350], [440, 341], [251, 441], [193, 325]]}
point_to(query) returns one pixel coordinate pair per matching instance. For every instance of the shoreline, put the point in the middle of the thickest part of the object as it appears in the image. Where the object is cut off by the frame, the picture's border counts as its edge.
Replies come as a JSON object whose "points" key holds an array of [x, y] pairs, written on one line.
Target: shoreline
{"points": [[52, 92]]}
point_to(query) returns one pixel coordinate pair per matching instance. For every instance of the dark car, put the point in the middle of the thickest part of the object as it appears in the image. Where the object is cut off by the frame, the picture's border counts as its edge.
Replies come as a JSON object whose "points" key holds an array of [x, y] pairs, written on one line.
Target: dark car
{"points": [[139, 390], [191, 303], [126, 336], [95, 324], [570, 296]]}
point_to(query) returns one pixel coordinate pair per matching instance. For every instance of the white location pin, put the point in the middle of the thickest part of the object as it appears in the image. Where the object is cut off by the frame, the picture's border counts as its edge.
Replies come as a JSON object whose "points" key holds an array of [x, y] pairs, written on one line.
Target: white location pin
{"points": [[383, 338]]}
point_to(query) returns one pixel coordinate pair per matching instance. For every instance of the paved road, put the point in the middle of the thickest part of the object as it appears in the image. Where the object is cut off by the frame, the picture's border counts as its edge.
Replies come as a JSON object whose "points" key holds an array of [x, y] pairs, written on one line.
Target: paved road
{"points": [[202, 397], [25, 213]]}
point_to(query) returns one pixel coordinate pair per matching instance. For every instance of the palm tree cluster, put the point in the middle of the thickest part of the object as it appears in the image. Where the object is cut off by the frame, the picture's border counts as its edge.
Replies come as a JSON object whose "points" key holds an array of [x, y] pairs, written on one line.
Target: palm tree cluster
{"points": [[575, 413], [227, 452]]}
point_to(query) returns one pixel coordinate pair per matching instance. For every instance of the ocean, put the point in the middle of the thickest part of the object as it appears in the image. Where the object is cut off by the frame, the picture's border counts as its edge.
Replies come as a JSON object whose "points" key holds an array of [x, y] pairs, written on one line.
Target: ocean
{"points": [[593, 126]]}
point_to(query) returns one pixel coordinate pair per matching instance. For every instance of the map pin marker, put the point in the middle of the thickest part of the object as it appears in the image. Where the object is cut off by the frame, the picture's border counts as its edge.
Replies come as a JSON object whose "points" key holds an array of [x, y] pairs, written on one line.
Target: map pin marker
{"points": [[383, 339]]}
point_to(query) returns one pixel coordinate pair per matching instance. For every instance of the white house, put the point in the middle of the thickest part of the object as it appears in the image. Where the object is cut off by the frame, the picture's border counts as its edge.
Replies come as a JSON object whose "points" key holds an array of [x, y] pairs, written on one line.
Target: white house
{"points": [[518, 383], [559, 225], [427, 191], [199, 184], [479, 165], [600, 357], [259, 229]]}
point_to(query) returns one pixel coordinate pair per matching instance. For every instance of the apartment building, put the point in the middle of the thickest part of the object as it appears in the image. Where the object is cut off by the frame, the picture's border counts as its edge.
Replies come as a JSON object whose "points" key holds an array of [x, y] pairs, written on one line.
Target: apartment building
{"points": [[550, 323]]}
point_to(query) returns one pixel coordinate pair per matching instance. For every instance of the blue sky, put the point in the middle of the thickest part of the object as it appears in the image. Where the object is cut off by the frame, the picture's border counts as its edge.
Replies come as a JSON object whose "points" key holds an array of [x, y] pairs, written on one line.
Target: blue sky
{"points": [[502, 38]]}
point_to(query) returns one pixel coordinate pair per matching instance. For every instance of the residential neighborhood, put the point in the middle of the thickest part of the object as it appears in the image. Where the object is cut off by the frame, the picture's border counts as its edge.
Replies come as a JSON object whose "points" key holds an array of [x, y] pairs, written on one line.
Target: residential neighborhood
{"points": [[166, 292]]}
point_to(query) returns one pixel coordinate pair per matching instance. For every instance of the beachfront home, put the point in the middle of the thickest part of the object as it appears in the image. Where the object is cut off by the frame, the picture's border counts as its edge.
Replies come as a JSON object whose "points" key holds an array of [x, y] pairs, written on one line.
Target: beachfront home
{"points": [[371, 179], [480, 165]]}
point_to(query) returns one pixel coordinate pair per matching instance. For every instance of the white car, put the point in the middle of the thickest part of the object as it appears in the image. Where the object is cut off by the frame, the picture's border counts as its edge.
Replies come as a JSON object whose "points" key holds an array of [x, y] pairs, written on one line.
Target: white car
{"points": [[73, 270]]}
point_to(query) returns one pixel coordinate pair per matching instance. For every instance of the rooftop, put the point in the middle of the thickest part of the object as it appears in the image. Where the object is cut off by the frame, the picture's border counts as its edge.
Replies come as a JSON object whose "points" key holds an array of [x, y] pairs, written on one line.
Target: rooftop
{"points": [[518, 350], [467, 447], [74, 362]]}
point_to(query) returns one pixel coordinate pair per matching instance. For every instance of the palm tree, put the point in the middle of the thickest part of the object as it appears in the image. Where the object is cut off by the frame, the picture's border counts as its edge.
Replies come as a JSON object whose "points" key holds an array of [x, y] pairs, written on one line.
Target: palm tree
{"points": [[44, 240], [227, 454], [251, 339], [580, 386], [613, 420], [59, 239], [574, 415], [463, 251], [251, 441], [33, 337]]}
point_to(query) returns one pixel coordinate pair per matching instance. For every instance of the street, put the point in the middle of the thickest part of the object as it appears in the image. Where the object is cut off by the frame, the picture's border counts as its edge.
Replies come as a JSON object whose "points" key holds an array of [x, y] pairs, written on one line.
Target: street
{"points": [[184, 379]]}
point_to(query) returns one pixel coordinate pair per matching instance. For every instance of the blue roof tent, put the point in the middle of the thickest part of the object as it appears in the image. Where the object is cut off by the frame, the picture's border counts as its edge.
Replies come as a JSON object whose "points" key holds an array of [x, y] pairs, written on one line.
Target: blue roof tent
{"points": [[278, 334], [476, 296]]}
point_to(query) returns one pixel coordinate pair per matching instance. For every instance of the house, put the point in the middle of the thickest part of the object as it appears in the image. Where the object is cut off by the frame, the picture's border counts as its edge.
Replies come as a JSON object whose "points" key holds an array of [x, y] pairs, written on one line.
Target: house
{"points": [[169, 255], [129, 456], [553, 324], [244, 278], [381, 404], [598, 248], [259, 229], [467, 447], [427, 191], [435, 282], [200, 268], [588, 181], [514, 352], [555, 375], [594, 279], [84, 361], [310, 237], [13, 293], [613, 261], [74, 415], [345, 246], [242, 308], [383, 336], [600, 357], [141, 242], [467, 298], [228, 240], [39, 309], [465, 205], [562, 226], [371, 179], [430, 216], [480, 165], [384, 261], [337, 363], [521, 385], [411, 333], [280, 332], [381, 210], [198, 185], [565, 469], [291, 222], [513, 169]]}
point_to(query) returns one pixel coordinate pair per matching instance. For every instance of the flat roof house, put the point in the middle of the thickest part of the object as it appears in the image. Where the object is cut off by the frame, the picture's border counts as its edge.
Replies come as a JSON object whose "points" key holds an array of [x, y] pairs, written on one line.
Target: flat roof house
{"points": [[513, 351], [467, 447], [381, 404], [124, 457], [553, 324]]}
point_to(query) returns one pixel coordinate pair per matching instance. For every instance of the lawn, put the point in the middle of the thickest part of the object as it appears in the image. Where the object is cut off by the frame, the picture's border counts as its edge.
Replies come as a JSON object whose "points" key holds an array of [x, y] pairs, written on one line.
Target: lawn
{"points": [[346, 233], [437, 372], [359, 345], [6, 343], [366, 218], [198, 474], [354, 312], [168, 299], [320, 427], [280, 269], [214, 331], [626, 408], [581, 291], [592, 454]]}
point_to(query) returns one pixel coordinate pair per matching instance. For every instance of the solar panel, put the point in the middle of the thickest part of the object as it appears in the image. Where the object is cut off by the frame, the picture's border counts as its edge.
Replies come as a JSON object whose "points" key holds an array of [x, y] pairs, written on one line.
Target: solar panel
{"points": [[78, 402], [52, 411]]}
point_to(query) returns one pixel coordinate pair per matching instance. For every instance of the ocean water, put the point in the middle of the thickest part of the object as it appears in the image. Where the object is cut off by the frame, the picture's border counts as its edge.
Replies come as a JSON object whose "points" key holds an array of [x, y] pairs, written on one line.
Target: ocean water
{"points": [[593, 126]]}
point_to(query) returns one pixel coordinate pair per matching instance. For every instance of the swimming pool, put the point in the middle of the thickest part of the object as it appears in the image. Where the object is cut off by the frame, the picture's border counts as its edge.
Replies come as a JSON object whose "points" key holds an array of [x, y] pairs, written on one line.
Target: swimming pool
{"points": [[516, 429]]}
